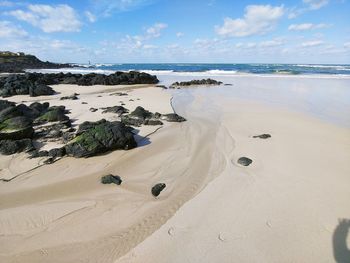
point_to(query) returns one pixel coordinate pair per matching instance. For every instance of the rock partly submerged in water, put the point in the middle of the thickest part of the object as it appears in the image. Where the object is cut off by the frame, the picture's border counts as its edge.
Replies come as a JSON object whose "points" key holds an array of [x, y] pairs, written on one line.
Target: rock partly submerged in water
{"points": [[111, 179], [157, 189], [195, 83], [99, 137]]}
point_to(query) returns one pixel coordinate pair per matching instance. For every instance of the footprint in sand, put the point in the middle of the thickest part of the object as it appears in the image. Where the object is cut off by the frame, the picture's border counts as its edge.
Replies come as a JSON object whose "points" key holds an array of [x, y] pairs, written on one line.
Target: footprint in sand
{"points": [[171, 231]]}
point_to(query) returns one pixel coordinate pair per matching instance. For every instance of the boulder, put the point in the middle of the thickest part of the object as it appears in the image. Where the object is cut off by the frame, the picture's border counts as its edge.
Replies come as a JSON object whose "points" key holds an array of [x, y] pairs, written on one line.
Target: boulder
{"points": [[57, 152], [100, 137], [16, 128], [8, 147], [111, 179], [196, 83], [6, 104], [55, 113], [157, 189], [40, 90]]}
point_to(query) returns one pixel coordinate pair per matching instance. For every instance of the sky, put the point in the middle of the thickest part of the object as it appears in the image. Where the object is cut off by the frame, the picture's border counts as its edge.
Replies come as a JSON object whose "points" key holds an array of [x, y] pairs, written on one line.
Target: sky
{"points": [[178, 31]]}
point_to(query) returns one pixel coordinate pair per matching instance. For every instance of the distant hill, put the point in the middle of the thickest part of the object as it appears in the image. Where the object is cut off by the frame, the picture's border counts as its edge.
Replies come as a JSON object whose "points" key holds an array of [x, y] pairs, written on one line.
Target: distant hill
{"points": [[18, 62]]}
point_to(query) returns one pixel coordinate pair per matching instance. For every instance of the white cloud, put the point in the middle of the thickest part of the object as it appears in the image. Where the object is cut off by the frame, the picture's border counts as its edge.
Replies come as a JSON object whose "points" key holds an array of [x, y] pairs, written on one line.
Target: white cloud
{"points": [[90, 16], [312, 43], [347, 45], [271, 43], [50, 18], [180, 34], [316, 4], [306, 26], [155, 30], [8, 30], [257, 20], [108, 7]]}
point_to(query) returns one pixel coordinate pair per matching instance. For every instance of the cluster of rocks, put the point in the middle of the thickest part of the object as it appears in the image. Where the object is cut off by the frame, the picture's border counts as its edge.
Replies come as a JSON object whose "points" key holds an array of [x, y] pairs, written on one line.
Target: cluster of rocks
{"points": [[17, 62], [140, 116], [195, 83], [36, 84]]}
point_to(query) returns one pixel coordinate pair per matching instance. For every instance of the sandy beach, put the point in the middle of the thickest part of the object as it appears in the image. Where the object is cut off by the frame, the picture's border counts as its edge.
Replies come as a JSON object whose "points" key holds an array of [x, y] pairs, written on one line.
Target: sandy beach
{"points": [[284, 207]]}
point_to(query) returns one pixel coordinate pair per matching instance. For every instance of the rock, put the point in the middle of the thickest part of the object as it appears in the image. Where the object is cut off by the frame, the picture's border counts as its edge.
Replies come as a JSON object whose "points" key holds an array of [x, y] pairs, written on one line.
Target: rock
{"points": [[57, 152], [138, 117], [37, 154], [157, 189], [196, 83], [40, 90], [6, 104], [140, 112], [244, 161], [132, 120], [8, 147], [93, 109], [71, 97], [55, 113], [100, 137], [262, 136], [172, 117], [16, 128], [152, 122], [36, 84], [115, 109], [84, 102], [118, 94], [49, 160], [162, 86], [109, 179]]}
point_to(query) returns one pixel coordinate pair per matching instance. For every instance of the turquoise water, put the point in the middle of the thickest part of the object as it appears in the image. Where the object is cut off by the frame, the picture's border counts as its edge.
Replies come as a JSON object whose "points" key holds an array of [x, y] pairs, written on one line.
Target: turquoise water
{"points": [[225, 69]]}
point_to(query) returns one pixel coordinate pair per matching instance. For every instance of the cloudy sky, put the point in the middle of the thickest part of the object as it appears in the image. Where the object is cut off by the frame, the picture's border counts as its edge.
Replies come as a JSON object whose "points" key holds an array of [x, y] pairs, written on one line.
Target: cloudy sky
{"points": [[227, 31]]}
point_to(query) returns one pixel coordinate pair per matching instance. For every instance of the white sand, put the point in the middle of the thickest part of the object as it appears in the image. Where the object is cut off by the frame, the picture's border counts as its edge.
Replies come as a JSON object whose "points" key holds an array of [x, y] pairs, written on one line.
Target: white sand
{"points": [[282, 208]]}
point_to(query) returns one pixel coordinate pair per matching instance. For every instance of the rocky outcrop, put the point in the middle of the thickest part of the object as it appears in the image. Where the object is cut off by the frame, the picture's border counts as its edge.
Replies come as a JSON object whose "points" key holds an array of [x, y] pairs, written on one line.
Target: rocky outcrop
{"points": [[36, 84], [172, 117], [195, 83], [99, 137], [115, 109], [8, 147], [18, 62], [16, 128]]}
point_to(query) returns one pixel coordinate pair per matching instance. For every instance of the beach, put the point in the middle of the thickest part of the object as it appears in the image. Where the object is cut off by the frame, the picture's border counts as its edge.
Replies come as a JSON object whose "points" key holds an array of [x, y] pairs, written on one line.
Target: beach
{"points": [[283, 207]]}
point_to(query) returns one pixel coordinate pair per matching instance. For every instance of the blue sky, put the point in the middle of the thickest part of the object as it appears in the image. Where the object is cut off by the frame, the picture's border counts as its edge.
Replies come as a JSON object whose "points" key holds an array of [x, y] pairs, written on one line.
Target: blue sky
{"points": [[214, 31]]}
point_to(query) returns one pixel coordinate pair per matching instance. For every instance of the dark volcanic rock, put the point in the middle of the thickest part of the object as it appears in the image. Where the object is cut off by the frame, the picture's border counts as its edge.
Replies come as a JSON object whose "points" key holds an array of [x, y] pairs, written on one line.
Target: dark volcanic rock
{"points": [[262, 136], [109, 179], [55, 113], [140, 116], [157, 189], [195, 83], [8, 147], [40, 90], [244, 161], [6, 104], [37, 153], [172, 117], [57, 152], [115, 109], [71, 97], [36, 84], [93, 109], [16, 128], [100, 137]]}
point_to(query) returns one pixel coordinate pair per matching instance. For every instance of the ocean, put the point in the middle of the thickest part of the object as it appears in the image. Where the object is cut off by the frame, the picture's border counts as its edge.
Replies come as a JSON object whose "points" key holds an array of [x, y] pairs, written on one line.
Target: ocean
{"points": [[220, 69]]}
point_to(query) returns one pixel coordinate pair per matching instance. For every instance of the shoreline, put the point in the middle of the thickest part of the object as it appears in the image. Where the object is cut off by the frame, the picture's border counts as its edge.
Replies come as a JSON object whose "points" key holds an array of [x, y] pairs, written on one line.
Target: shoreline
{"points": [[212, 207]]}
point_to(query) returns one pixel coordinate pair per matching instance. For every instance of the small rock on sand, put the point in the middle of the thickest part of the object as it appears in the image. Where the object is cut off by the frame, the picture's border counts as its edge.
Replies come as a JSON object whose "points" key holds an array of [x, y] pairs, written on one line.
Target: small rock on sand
{"points": [[157, 189], [262, 136], [244, 161], [109, 179]]}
